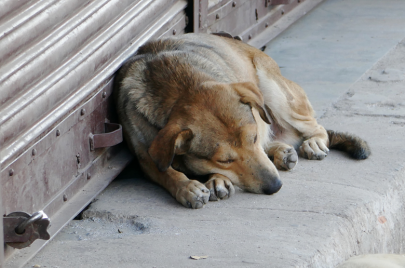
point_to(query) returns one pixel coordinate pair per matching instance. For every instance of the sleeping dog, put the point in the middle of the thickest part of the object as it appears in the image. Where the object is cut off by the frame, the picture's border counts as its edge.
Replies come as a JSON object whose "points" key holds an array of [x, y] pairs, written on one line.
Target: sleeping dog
{"points": [[202, 104]]}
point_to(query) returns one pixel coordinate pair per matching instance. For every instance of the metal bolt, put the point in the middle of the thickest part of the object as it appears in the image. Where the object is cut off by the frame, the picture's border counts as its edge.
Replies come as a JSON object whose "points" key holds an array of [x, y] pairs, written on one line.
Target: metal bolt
{"points": [[104, 95], [64, 198], [174, 32], [266, 25], [11, 172], [282, 12], [34, 152], [88, 175], [233, 4], [57, 133], [82, 111], [217, 16], [250, 36]]}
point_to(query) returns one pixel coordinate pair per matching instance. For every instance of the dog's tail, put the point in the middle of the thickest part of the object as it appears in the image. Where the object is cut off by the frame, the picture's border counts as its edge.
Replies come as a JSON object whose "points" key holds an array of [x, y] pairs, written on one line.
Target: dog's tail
{"points": [[353, 145]]}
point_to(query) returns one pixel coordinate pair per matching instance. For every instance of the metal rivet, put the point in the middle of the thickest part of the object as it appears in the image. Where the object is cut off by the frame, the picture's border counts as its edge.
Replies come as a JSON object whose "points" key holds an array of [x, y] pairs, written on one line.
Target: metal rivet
{"points": [[266, 25], [82, 111], [104, 94], [217, 16], [233, 4], [174, 32], [34, 152], [250, 36], [88, 176], [64, 198], [282, 12], [57, 132], [11, 172]]}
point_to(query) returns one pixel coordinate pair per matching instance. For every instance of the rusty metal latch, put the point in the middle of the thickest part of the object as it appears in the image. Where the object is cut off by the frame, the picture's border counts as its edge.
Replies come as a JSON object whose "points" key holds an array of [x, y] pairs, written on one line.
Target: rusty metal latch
{"points": [[22, 229], [112, 137]]}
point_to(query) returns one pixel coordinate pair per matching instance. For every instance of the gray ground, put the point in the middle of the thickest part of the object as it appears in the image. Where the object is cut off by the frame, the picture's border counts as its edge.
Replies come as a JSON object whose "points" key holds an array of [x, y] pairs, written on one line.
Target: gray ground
{"points": [[326, 211]]}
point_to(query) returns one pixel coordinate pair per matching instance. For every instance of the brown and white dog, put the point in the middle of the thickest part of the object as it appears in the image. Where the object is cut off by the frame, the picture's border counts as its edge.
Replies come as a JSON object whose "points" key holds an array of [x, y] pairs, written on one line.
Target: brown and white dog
{"points": [[202, 104]]}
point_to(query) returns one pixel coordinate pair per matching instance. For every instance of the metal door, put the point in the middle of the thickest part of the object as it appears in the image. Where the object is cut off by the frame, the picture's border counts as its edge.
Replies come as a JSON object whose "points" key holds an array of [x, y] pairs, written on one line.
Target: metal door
{"points": [[57, 60]]}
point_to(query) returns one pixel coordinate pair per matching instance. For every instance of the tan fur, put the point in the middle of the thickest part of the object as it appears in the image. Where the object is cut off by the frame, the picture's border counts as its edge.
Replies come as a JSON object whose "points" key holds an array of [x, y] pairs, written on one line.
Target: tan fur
{"points": [[202, 104]]}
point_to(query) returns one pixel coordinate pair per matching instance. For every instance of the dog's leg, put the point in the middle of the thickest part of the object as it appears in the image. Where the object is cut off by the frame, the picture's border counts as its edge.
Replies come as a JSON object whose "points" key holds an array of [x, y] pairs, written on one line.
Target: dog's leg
{"points": [[291, 108], [283, 155], [220, 187], [190, 193], [314, 148]]}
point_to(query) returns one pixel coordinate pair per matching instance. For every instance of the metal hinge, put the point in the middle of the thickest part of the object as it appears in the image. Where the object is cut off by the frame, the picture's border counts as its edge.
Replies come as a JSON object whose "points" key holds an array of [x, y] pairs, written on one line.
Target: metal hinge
{"points": [[22, 229]]}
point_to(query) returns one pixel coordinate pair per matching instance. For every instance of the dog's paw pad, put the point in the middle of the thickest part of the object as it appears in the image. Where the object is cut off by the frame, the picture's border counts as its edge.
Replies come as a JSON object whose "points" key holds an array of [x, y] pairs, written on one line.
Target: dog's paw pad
{"points": [[291, 160], [220, 187], [193, 194], [286, 159], [313, 149]]}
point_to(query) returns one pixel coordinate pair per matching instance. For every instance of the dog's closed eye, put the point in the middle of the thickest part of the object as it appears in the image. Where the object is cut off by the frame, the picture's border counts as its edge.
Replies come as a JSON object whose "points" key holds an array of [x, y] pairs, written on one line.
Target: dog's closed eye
{"points": [[226, 161]]}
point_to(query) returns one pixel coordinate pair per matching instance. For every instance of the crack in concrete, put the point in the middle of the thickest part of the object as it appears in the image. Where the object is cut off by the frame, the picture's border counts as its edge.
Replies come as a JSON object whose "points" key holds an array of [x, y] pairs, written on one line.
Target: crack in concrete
{"points": [[339, 215], [381, 115], [335, 183]]}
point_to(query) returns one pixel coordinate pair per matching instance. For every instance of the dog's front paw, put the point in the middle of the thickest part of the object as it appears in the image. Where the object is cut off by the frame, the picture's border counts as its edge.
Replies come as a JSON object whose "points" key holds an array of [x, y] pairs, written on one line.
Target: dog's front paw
{"points": [[314, 149], [220, 187], [192, 194], [285, 158]]}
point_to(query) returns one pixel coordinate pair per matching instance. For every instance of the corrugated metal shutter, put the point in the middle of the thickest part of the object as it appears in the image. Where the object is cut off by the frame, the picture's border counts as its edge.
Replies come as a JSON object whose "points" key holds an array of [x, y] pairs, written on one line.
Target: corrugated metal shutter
{"points": [[57, 59], [54, 54]]}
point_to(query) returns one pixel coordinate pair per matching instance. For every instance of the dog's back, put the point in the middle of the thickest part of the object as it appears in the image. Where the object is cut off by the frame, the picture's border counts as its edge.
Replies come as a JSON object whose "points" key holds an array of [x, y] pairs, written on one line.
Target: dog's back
{"points": [[207, 54]]}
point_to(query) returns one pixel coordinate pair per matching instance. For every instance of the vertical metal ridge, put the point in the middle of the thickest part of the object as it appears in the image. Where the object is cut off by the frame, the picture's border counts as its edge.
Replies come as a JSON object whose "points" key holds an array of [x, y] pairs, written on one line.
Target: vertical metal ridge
{"points": [[173, 19]]}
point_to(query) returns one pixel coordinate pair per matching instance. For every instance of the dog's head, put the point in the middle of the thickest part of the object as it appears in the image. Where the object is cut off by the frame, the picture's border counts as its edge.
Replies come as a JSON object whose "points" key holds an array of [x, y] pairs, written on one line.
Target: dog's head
{"points": [[219, 129]]}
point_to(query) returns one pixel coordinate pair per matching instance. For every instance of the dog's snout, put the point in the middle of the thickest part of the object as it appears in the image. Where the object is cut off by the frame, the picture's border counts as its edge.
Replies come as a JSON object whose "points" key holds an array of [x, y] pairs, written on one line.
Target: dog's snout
{"points": [[272, 187]]}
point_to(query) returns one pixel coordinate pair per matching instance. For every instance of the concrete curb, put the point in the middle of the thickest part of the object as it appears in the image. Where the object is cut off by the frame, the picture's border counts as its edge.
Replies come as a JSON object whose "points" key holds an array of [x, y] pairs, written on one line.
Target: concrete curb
{"points": [[377, 225]]}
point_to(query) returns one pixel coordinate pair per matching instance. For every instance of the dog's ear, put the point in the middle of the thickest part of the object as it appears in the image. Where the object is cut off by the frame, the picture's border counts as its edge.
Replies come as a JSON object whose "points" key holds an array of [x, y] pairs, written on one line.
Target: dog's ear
{"points": [[170, 141], [250, 94]]}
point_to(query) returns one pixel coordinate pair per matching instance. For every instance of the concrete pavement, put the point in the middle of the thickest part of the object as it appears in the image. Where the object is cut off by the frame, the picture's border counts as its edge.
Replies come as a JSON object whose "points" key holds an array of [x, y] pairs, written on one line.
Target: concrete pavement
{"points": [[332, 46], [326, 211]]}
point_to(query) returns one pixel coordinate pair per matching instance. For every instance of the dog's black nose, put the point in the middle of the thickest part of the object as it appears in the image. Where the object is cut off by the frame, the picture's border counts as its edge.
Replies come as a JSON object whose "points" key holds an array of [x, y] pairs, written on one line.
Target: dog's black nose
{"points": [[272, 187]]}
